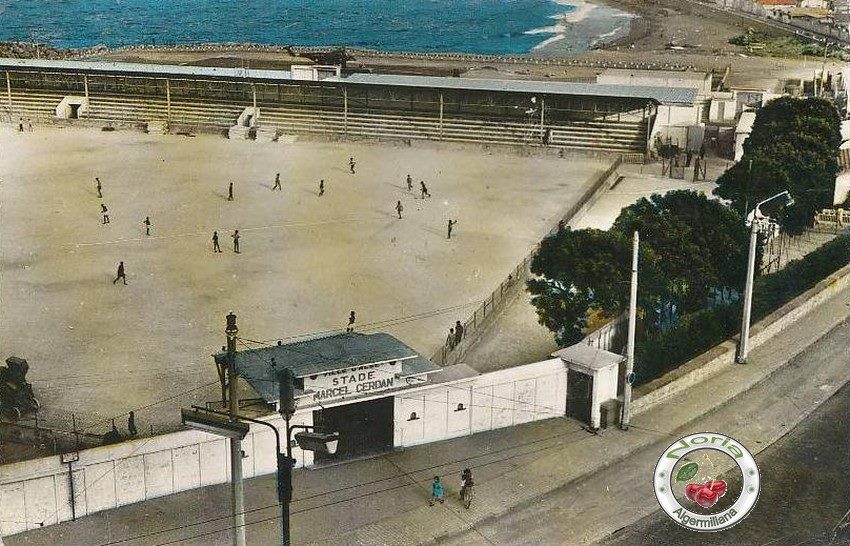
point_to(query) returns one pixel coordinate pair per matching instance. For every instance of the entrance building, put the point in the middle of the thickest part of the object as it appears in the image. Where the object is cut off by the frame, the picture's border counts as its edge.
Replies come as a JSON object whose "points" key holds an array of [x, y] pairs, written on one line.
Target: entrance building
{"points": [[346, 383]]}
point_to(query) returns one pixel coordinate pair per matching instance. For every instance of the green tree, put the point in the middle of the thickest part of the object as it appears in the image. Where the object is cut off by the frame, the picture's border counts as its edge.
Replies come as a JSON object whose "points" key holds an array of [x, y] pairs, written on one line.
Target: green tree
{"points": [[577, 271], [695, 244], [793, 146]]}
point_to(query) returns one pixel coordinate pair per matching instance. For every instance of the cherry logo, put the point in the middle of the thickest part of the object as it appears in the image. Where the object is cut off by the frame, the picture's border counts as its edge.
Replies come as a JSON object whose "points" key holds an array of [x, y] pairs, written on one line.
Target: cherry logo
{"points": [[706, 494]]}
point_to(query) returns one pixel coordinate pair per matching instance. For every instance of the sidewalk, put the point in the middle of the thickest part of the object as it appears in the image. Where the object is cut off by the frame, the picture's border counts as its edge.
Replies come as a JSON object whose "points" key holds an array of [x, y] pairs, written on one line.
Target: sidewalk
{"points": [[384, 500]]}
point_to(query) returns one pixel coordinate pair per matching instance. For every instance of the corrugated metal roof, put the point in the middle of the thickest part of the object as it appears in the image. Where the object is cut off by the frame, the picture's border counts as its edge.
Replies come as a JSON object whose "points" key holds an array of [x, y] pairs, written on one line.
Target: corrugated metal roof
{"points": [[664, 95], [140, 68], [324, 354]]}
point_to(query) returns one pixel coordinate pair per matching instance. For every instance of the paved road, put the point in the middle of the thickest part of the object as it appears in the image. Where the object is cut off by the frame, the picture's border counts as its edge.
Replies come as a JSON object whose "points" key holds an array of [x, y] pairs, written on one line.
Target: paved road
{"points": [[806, 491], [806, 479]]}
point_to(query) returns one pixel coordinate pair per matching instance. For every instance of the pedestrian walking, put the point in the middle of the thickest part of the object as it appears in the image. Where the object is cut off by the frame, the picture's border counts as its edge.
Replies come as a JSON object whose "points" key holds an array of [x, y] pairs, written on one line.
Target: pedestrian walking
{"points": [[230, 192], [277, 183], [216, 248], [236, 241], [29, 125], [321, 187], [99, 193], [458, 332], [351, 164], [561, 225], [409, 183], [21, 125], [451, 226], [398, 209], [105, 212], [423, 189], [351, 319], [121, 275], [147, 223], [131, 425], [450, 340], [437, 492]]}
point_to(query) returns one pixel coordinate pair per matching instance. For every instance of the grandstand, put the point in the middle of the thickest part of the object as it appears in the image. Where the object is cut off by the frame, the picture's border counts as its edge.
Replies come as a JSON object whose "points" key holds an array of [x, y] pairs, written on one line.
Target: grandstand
{"points": [[606, 118]]}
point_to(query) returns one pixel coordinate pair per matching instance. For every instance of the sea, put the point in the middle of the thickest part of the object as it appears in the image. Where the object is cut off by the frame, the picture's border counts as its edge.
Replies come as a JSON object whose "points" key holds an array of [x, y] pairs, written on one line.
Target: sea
{"points": [[498, 27]]}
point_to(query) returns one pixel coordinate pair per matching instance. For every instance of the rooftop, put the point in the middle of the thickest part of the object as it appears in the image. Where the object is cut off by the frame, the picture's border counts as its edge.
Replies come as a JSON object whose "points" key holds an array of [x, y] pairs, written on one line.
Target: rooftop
{"points": [[589, 356], [664, 95]]}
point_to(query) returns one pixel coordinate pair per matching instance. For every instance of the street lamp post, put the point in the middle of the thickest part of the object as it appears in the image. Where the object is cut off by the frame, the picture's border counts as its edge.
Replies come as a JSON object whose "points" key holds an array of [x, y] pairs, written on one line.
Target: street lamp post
{"points": [[744, 342], [199, 419]]}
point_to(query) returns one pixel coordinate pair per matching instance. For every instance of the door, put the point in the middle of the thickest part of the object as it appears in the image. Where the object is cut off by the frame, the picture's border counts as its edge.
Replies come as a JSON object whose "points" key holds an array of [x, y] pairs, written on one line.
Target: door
{"points": [[579, 395], [364, 428]]}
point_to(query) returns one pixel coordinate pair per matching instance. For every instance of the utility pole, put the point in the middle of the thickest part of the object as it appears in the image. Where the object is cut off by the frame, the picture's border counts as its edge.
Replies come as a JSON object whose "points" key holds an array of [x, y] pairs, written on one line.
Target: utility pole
{"points": [[286, 391], [744, 342], [630, 345], [237, 492]]}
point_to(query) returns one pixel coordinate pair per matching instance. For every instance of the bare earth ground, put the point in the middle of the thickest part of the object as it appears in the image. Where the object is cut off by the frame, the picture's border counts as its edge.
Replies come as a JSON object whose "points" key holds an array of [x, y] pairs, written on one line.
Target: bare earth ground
{"points": [[100, 349]]}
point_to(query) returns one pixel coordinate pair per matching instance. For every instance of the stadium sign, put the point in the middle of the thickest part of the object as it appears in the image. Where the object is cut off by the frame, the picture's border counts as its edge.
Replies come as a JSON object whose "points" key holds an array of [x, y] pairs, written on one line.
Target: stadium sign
{"points": [[359, 381]]}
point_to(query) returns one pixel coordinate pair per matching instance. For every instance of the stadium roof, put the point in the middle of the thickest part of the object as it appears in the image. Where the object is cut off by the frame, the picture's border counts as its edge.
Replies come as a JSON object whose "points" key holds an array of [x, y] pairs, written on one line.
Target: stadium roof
{"points": [[325, 354], [145, 69], [663, 95]]}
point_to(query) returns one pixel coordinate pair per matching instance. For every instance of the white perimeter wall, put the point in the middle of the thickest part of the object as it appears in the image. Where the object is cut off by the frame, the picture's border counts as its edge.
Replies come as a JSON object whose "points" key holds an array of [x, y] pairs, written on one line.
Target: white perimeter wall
{"points": [[106, 477], [36, 491], [494, 400]]}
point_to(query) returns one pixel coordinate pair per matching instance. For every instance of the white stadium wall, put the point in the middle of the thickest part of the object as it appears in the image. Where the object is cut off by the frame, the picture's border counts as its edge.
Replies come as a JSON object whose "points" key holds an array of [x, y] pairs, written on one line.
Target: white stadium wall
{"points": [[38, 491], [494, 400]]}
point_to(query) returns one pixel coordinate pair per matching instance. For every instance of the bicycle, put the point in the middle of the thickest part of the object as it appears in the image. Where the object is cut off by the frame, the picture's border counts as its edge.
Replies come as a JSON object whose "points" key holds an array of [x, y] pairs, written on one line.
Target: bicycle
{"points": [[466, 496]]}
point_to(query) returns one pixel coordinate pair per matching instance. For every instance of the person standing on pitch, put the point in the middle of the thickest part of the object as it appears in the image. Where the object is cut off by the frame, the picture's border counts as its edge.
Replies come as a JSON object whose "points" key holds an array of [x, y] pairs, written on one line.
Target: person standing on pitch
{"points": [[351, 319], [277, 183], [131, 425], [236, 241], [423, 189], [398, 209], [321, 187], [230, 192], [105, 212], [99, 193], [451, 225], [351, 164], [216, 248], [147, 224], [121, 275], [409, 183]]}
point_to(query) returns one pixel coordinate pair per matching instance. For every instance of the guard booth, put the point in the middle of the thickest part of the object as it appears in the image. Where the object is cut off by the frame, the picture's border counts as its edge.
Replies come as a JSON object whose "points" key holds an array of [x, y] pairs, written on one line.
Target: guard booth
{"points": [[592, 380], [346, 382]]}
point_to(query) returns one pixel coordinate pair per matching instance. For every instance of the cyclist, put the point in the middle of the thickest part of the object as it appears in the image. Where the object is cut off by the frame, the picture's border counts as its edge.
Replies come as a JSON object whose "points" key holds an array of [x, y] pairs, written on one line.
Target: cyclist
{"points": [[466, 482]]}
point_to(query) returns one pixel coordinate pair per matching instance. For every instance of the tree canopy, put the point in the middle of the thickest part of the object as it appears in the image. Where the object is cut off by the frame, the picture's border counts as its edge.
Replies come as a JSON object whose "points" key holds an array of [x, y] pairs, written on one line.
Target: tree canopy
{"points": [[699, 245], [578, 270], [690, 245], [793, 146]]}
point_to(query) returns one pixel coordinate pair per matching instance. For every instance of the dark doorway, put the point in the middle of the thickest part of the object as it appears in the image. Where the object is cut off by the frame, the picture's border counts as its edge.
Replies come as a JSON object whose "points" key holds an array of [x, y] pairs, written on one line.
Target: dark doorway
{"points": [[75, 111], [364, 428], [579, 395]]}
